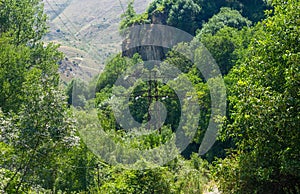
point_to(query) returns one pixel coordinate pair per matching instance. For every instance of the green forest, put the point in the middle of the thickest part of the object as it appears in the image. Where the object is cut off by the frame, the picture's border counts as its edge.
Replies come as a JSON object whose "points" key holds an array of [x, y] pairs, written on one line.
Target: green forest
{"points": [[44, 123]]}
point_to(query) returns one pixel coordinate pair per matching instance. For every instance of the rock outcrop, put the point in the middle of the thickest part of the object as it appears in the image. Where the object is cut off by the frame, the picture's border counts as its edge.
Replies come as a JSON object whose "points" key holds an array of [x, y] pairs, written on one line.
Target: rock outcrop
{"points": [[147, 40]]}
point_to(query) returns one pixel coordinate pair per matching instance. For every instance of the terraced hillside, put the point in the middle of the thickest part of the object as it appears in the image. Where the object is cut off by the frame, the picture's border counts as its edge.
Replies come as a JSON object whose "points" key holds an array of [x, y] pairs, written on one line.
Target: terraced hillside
{"points": [[87, 31]]}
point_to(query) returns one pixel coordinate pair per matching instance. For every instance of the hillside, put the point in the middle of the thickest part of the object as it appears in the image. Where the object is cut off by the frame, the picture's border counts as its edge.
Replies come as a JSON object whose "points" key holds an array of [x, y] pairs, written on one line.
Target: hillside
{"points": [[87, 31]]}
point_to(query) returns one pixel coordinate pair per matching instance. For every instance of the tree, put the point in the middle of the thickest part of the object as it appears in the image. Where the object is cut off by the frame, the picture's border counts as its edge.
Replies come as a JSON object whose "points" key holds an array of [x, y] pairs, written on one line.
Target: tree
{"points": [[127, 16], [22, 26], [24, 21], [16, 62], [264, 96], [36, 126], [77, 92], [114, 68], [183, 15], [40, 132], [227, 46], [226, 17], [253, 10]]}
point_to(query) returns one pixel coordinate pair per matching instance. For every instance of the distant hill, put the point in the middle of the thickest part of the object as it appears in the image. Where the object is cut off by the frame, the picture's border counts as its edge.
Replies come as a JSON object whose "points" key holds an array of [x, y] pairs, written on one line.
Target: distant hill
{"points": [[87, 31]]}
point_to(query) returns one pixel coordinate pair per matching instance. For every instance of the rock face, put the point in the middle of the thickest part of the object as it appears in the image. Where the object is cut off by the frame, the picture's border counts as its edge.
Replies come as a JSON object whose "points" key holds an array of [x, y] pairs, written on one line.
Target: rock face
{"points": [[148, 52], [146, 40]]}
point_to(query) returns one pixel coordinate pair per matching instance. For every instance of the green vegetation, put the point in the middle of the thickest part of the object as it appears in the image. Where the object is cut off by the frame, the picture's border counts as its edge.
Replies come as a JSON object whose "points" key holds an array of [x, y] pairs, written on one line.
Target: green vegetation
{"points": [[264, 96], [258, 147], [191, 15], [130, 17]]}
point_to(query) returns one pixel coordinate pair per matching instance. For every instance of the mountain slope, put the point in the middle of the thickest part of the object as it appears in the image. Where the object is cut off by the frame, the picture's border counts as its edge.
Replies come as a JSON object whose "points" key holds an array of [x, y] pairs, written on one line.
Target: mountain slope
{"points": [[87, 31]]}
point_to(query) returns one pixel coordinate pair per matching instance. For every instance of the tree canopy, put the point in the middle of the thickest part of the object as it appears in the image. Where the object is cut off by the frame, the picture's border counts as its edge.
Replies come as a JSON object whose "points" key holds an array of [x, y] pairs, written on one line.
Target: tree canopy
{"points": [[264, 96], [43, 126]]}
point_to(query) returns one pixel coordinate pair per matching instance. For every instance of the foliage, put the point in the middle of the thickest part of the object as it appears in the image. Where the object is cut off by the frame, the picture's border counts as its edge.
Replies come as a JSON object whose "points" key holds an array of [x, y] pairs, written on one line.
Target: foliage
{"points": [[24, 21], [17, 62], [40, 147], [80, 93], [226, 17], [171, 178], [253, 10], [191, 15], [38, 134], [130, 18], [265, 109], [36, 126], [113, 69], [130, 181], [227, 46], [183, 15]]}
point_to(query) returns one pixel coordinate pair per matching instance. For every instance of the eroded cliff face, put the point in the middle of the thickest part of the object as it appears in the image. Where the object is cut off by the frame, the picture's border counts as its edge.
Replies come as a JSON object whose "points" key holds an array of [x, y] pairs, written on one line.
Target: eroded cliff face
{"points": [[148, 40], [147, 52]]}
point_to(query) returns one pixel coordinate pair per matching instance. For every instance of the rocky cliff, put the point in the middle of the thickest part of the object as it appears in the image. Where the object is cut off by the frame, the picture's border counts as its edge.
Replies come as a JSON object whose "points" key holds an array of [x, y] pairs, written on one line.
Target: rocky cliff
{"points": [[147, 40]]}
